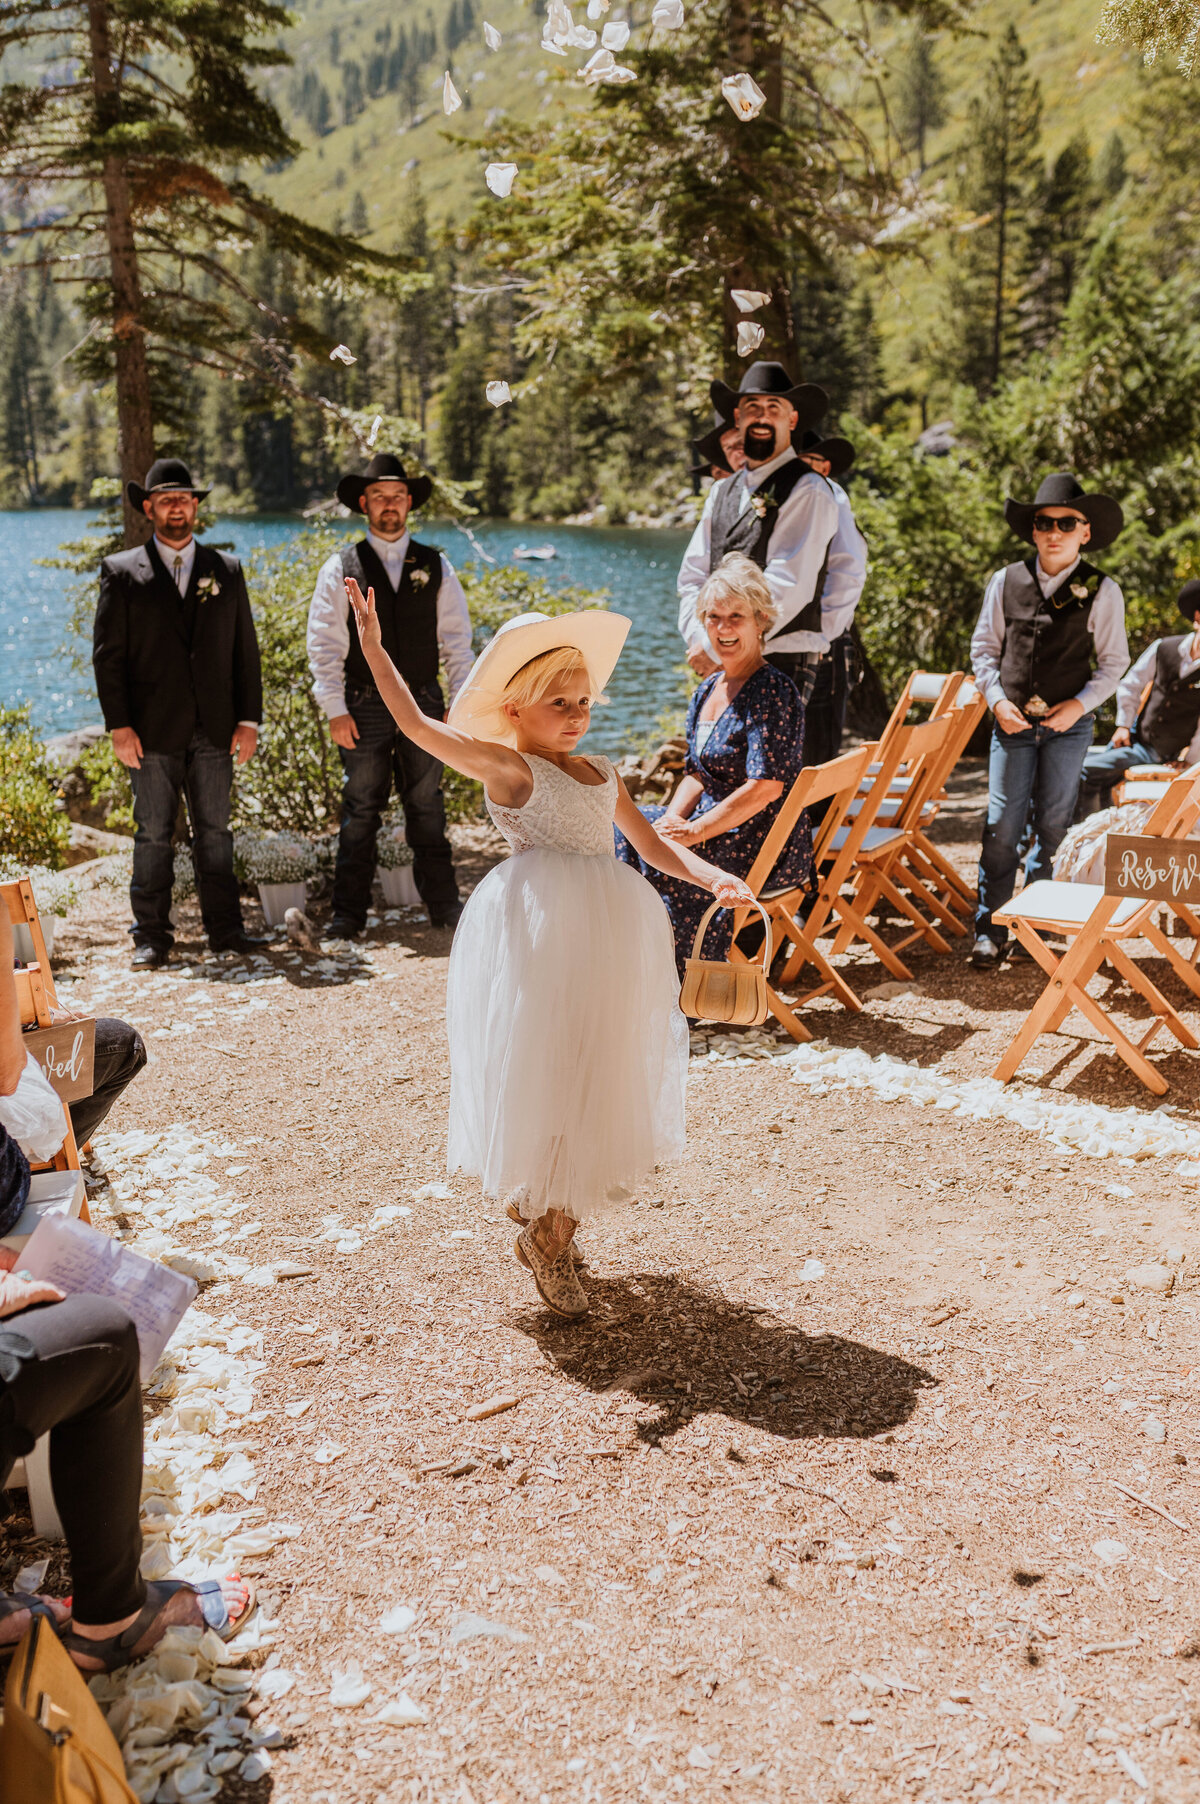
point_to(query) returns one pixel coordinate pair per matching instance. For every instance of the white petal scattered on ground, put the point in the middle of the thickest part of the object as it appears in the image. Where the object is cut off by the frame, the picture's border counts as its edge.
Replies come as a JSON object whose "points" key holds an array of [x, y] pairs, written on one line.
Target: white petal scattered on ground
{"points": [[500, 178], [400, 1713], [469, 1627], [615, 35], [667, 15], [432, 1193], [327, 1452], [1110, 1553], [1129, 1765], [749, 300], [1153, 1429], [744, 95], [376, 423], [1043, 1736], [885, 992], [343, 354], [498, 393], [813, 1268], [398, 1620], [349, 1690], [749, 336], [294, 1410], [491, 36], [451, 98], [1151, 1277], [276, 1683], [30, 1578]]}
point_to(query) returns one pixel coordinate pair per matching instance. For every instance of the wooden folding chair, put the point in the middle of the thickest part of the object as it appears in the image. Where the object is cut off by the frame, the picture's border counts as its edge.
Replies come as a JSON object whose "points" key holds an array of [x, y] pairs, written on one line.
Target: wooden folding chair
{"points": [[879, 868], [921, 856], [835, 783], [1094, 926], [36, 996]]}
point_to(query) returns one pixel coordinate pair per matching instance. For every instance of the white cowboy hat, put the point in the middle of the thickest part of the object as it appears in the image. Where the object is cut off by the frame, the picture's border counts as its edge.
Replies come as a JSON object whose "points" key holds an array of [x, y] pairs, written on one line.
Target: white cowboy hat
{"points": [[597, 635]]}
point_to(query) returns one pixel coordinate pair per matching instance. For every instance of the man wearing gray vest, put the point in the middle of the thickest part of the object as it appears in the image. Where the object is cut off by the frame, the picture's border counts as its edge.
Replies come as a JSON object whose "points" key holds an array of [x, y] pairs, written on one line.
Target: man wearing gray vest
{"points": [[776, 510], [1158, 710], [423, 615]]}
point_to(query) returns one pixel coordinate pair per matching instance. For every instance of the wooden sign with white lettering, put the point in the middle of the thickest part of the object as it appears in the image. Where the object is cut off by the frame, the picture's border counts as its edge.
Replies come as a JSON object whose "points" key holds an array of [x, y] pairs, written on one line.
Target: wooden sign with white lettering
{"points": [[1153, 870], [67, 1056]]}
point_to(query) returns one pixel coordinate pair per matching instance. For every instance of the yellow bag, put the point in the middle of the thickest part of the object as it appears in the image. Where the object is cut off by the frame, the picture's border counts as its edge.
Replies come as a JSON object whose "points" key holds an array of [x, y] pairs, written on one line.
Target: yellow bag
{"points": [[716, 991], [55, 1746]]}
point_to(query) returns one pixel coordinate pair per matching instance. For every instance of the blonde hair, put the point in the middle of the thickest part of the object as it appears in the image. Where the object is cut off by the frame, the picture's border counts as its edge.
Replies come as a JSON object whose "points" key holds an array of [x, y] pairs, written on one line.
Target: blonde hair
{"points": [[739, 578], [531, 682]]}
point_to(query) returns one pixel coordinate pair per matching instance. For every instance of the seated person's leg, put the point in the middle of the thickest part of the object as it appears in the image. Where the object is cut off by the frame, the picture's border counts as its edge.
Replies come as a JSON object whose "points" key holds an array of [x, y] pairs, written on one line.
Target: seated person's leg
{"points": [[1104, 766], [120, 1055]]}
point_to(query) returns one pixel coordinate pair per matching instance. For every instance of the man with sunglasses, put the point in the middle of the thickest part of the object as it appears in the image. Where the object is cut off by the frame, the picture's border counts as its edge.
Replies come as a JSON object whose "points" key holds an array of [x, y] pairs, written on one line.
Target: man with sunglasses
{"points": [[1048, 648]]}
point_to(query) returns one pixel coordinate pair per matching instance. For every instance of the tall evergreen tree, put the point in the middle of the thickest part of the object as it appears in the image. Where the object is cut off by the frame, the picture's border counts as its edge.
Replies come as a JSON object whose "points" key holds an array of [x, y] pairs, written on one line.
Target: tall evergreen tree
{"points": [[998, 169], [420, 328], [1058, 238], [1112, 166], [28, 413], [139, 119], [920, 94]]}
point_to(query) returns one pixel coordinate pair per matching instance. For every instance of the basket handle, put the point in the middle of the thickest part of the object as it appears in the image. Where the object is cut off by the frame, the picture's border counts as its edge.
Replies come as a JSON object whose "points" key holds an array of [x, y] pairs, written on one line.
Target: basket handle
{"points": [[707, 916]]}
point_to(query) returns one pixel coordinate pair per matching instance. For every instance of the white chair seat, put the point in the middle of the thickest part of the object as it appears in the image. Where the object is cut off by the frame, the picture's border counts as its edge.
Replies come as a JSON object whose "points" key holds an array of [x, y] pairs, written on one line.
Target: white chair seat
{"points": [[1145, 792], [873, 839], [1149, 773], [1069, 902]]}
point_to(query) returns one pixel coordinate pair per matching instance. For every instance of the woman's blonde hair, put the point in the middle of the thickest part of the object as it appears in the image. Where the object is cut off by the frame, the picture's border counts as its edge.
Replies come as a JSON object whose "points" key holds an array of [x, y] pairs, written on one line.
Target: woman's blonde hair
{"points": [[530, 683], [739, 577]]}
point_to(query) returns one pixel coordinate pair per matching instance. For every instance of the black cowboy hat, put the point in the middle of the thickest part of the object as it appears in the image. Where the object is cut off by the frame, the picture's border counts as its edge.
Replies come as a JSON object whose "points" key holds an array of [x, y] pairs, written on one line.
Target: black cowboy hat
{"points": [[1189, 600], [383, 467], [1102, 513], [809, 401], [838, 451], [165, 473], [707, 450]]}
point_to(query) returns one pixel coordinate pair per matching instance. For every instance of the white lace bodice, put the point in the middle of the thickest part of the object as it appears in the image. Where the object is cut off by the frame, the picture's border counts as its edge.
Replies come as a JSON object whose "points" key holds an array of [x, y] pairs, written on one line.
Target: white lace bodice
{"points": [[561, 814]]}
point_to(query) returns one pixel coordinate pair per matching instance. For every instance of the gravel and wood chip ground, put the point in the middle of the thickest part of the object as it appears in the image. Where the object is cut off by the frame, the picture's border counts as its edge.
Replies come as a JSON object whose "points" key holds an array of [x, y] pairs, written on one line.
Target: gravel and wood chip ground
{"points": [[870, 1476]]}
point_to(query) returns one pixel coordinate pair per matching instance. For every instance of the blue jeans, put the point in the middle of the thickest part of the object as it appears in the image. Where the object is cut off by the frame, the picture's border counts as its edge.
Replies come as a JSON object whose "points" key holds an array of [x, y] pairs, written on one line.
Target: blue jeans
{"points": [[1035, 768], [204, 775], [1106, 765], [381, 753]]}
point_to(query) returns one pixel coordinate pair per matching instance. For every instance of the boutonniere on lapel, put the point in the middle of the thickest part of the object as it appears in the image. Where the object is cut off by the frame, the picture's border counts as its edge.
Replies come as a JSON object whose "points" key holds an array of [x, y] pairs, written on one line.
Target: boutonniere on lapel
{"points": [[1080, 591], [208, 588], [760, 504], [419, 577]]}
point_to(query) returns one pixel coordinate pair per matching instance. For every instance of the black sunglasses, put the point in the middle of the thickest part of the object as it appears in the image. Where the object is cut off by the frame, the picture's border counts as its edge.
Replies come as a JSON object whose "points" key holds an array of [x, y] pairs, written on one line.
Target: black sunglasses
{"points": [[1052, 523]]}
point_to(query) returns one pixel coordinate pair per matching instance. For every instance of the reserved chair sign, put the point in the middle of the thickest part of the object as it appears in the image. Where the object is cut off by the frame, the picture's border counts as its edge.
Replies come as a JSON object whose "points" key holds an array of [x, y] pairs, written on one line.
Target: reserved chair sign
{"points": [[67, 1056], [1153, 870]]}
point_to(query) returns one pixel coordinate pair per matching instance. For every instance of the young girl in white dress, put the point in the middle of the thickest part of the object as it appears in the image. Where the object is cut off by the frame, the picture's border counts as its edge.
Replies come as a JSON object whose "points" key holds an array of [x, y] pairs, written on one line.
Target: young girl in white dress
{"points": [[568, 1052]]}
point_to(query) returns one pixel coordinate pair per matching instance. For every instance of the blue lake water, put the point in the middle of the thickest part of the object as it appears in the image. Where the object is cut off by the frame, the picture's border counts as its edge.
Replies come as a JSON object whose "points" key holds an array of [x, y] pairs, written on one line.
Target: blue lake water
{"points": [[637, 567]]}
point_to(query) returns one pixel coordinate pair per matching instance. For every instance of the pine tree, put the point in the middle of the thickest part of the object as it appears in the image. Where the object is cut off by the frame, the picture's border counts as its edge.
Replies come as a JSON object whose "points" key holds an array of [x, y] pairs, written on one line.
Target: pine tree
{"points": [[920, 94], [1156, 28], [1112, 168], [139, 120], [421, 325], [998, 168], [28, 412], [1058, 238]]}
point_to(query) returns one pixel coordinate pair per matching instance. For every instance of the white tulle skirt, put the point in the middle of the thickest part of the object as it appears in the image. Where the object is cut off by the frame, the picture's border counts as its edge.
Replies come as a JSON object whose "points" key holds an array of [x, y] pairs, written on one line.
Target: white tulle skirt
{"points": [[568, 1052]]}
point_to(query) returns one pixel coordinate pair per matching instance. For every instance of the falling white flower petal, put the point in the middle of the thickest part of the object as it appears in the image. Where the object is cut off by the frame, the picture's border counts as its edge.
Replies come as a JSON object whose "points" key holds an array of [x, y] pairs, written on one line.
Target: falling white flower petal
{"points": [[615, 35], [749, 300], [552, 47], [667, 15], [376, 423], [343, 354], [749, 336], [451, 98], [491, 36], [743, 94], [599, 66], [597, 9], [619, 76], [580, 37], [498, 393], [500, 177]]}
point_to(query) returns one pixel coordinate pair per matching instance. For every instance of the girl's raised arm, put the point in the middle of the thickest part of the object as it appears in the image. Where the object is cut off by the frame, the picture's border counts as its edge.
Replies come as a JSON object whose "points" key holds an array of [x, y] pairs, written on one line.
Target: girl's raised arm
{"points": [[504, 772]]}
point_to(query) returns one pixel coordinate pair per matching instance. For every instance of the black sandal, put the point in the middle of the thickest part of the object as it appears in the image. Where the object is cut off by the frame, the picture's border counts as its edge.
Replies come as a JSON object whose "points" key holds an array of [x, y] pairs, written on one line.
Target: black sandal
{"points": [[117, 1650]]}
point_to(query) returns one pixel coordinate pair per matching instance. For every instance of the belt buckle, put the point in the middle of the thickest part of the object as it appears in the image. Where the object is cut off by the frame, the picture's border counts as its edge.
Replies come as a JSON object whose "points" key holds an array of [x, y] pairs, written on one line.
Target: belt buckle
{"points": [[1035, 708]]}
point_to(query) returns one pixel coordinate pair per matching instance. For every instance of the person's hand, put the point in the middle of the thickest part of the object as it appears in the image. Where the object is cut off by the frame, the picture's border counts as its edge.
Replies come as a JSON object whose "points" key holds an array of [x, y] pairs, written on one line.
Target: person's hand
{"points": [[17, 1292], [128, 747], [731, 892], [245, 741], [1009, 717], [365, 616], [1063, 715], [1121, 737], [675, 828], [701, 663], [344, 731]]}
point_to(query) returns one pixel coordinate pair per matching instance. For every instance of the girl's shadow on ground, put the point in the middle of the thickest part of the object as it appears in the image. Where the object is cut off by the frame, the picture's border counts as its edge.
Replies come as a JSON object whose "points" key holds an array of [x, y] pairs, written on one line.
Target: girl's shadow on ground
{"points": [[658, 1343]]}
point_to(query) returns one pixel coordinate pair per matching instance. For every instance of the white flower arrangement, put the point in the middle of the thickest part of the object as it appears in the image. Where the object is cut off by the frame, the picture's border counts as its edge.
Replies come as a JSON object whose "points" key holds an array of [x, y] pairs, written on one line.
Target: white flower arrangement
{"points": [[114, 871], [392, 850], [53, 891], [419, 577], [208, 588], [262, 857]]}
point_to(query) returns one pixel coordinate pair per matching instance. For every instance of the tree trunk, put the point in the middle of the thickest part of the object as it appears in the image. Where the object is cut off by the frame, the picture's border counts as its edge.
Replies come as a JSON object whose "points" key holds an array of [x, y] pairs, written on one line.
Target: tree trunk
{"points": [[135, 419], [756, 46]]}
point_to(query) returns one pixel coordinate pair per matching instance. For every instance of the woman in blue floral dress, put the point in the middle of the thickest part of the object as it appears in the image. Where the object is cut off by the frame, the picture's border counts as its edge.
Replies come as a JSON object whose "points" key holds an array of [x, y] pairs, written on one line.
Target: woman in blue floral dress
{"points": [[745, 734]]}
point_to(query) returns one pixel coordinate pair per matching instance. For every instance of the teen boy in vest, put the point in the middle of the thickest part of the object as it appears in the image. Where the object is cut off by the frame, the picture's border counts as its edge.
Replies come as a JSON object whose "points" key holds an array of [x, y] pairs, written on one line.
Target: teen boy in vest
{"points": [[777, 511], [1167, 729], [421, 607], [1049, 647]]}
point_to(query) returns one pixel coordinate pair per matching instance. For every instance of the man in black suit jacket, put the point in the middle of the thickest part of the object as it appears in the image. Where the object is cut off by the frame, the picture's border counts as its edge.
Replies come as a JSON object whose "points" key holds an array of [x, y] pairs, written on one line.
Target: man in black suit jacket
{"points": [[178, 674]]}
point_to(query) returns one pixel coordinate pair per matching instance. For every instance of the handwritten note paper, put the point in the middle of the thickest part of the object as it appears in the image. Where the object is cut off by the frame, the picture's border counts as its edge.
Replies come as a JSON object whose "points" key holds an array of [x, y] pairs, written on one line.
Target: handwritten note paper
{"points": [[79, 1259], [1159, 870]]}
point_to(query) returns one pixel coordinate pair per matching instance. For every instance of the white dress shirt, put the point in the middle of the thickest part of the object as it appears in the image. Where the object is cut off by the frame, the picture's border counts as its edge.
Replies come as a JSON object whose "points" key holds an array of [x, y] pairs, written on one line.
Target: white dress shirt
{"points": [[846, 572], [329, 625], [187, 557], [1133, 683], [806, 523], [1106, 623]]}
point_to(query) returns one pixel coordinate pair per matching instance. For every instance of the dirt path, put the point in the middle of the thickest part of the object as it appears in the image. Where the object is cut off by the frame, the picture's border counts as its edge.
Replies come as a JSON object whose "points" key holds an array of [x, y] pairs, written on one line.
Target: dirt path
{"points": [[824, 1500]]}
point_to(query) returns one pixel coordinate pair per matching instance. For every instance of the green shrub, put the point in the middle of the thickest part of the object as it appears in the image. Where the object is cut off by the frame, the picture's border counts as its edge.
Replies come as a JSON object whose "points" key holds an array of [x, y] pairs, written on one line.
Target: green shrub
{"points": [[108, 784], [33, 827]]}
